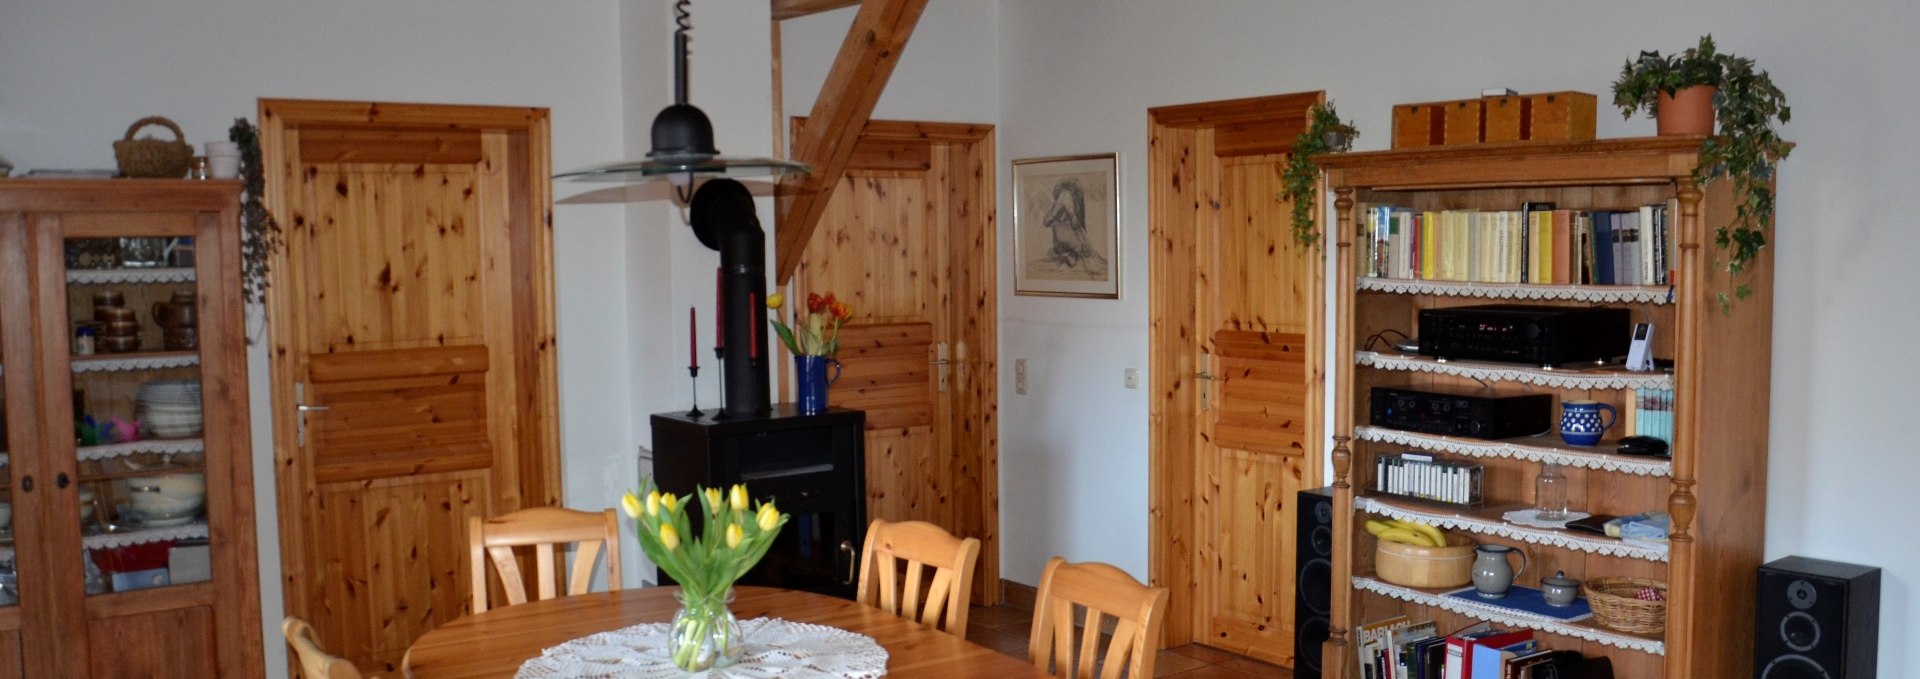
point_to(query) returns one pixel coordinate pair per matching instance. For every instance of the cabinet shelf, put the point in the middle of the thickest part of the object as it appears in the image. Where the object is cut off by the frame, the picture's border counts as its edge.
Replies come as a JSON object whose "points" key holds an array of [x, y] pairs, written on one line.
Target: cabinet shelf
{"points": [[151, 360], [1487, 521], [1579, 629], [162, 446], [1543, 448], [133, 536], [1487, 371], [1605, 294], [128, 276]]}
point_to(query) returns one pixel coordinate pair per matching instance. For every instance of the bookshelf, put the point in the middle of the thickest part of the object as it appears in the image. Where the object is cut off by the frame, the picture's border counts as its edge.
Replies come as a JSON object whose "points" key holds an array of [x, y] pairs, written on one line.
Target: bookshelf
{"points": [[1714, 485]]}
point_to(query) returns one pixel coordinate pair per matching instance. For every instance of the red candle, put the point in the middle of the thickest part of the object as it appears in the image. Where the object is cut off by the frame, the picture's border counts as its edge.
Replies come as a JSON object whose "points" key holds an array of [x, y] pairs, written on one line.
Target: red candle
{"points": [[693, 339], [753, 329], [719, 310]]}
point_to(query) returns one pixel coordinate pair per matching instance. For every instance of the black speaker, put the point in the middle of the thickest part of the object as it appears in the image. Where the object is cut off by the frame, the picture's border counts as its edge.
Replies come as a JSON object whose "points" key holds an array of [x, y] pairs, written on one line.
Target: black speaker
{"points": [[1312, 580], [1816, 619]]}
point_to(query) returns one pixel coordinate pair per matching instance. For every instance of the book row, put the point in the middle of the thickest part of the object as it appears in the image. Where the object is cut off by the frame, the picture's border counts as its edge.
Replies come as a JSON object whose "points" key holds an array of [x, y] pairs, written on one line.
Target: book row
{"points": [[1398, 648], [1425, 477], [1537, 244]]}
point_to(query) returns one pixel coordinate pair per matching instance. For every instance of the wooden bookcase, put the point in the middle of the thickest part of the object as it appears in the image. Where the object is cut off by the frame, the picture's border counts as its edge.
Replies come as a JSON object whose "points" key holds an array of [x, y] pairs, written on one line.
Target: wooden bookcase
{"points": [[106, 584], [1715, 484]]}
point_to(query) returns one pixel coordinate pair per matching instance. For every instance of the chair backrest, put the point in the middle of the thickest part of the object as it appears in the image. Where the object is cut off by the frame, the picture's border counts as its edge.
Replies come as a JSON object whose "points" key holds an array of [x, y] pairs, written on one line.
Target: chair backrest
{"points": [[543, 528], [314, 663], [1104, 591], [917, 547]]}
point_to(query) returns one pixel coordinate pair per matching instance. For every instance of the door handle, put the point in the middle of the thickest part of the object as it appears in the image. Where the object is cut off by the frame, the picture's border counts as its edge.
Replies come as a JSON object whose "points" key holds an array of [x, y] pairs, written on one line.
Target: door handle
{"points": [[300, 410], [1206, 379], [853, 560], [941, 363]]}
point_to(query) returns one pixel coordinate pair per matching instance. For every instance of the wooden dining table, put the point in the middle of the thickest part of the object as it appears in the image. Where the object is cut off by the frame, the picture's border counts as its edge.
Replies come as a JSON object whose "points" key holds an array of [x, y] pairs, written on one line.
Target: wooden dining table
{"points": [[495, 643]]}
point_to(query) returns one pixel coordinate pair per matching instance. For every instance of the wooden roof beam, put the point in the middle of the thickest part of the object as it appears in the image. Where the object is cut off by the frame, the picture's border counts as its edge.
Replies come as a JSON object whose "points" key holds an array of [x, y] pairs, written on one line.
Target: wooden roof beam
{"points": [[846, 101], [794, 9]]}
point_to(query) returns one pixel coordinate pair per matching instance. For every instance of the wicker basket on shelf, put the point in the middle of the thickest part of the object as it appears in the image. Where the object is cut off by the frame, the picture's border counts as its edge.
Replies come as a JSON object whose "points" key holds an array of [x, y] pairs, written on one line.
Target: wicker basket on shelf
{"points": [[1636, 605], [149, 157]]}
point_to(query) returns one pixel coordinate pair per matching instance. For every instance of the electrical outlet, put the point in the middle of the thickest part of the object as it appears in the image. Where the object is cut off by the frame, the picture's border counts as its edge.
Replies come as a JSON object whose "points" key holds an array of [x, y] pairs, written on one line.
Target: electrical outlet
{"points": [[1133, 378], [1020, 376]]}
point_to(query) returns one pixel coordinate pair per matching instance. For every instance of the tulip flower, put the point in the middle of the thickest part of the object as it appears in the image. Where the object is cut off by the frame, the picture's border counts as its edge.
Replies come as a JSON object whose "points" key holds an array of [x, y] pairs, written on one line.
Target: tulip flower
{"points": [[669, 537], [769, 518], [737, 498], [669, 502], [714, 500], [735, 535], [776, 300], [630, 503], [653, 503]]}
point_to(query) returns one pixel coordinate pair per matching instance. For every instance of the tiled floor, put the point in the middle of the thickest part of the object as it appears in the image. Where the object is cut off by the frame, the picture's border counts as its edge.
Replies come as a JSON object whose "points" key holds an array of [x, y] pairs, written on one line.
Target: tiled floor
{"points": [[1005, 629]]}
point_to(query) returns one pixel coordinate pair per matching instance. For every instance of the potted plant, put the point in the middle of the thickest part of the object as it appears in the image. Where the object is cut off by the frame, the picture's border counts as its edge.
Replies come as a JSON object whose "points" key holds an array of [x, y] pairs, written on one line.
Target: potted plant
{"points": [[1746, 105], [1300, 179]]}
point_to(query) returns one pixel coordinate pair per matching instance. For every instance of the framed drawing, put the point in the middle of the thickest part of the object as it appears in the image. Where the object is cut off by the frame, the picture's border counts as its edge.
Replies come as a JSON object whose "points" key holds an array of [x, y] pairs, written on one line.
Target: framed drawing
{"points": [[1066, 226]]}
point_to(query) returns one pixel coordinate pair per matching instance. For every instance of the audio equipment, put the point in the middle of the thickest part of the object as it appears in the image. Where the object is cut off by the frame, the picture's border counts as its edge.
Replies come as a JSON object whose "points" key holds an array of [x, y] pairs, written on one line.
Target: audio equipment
{"points": [[1484, 417], [1313, 580], [1816, 618], [1538, 335]]}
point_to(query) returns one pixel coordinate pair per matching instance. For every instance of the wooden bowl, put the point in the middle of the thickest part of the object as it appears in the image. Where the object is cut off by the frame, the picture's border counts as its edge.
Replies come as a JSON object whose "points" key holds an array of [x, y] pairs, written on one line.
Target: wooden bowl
{"points": [[118, 345], [112, 313], [1429, 567]]}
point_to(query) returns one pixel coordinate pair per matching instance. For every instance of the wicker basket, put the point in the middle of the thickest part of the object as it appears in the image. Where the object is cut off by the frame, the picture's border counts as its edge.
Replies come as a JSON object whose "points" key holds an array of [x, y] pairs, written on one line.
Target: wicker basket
{"points": [[149, 157], [1616, 606]]}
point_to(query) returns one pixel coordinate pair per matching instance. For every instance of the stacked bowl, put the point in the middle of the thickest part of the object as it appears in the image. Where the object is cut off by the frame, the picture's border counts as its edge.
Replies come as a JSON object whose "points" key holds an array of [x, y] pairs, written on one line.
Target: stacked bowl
{"points": [[169, 409]]}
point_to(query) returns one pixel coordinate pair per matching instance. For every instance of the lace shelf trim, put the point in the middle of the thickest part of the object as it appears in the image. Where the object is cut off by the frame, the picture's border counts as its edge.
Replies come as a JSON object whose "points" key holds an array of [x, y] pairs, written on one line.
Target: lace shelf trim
{"points": [[128, 276], [1508, 616], [1613, 294], [162, 446], [110, 363], [141, 536], [1502, 372], [1518, 451], [1552, 538]]}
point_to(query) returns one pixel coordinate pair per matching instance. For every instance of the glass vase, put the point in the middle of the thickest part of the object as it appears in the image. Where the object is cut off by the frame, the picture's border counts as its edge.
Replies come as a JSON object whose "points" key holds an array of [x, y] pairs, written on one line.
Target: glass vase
{"points": [[1550, 493], [704, 633]]}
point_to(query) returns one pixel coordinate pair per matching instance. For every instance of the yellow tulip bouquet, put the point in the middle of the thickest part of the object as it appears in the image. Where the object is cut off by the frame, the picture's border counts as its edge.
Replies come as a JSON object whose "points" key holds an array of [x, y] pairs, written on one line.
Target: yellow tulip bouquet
{"points": [[733, 539]]}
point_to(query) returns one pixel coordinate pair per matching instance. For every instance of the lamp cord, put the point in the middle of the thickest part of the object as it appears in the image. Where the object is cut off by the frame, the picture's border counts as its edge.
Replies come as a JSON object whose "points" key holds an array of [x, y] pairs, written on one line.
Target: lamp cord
{"points": [[683, 17]]}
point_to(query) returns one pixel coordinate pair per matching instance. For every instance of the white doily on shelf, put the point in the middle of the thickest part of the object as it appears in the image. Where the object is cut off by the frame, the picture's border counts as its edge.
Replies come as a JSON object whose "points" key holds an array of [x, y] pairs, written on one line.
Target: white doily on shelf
{"points": [[141, 536], [1647, 294], [772, 647], [1568, 378]]}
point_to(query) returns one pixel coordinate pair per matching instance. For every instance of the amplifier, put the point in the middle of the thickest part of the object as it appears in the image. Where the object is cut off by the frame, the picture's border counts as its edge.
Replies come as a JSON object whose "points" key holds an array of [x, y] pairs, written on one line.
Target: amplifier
{"points": [[1481, 417], [1537, 335]]}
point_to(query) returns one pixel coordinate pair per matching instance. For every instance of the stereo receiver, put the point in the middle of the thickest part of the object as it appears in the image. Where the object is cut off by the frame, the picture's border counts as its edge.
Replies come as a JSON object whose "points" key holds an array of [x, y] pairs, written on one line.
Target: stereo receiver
{"points": [[1482, 417], [1545, 336]]}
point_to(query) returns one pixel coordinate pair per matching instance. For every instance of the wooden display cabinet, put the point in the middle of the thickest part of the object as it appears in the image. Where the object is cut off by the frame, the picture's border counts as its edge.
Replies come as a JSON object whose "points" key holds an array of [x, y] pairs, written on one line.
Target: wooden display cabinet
{"points": [[110, 567], [1715, 484]]}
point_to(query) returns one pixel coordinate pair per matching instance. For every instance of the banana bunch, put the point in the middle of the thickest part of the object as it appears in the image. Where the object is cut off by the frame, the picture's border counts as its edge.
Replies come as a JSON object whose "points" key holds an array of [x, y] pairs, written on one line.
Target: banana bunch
{"points": [[1409, 532]]}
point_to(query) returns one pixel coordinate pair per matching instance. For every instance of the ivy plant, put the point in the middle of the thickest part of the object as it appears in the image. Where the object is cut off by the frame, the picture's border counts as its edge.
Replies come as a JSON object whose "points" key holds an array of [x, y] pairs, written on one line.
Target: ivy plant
{"points": [[1300, 179]]}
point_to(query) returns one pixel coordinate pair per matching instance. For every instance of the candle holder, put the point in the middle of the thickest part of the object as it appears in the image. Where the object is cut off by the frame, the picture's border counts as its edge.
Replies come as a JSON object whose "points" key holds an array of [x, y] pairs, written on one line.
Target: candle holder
{"points": [[693, 373]]}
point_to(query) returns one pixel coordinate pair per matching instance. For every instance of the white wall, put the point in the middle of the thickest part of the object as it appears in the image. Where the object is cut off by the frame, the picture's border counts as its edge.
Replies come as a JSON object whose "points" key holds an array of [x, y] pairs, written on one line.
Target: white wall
{"points": [[1077, 76], [74, 75]]}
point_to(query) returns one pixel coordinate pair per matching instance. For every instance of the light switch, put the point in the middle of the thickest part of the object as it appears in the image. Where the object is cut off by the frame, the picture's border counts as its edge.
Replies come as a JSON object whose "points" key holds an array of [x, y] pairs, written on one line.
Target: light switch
{"points": [[1133, 378], [1020, 376]]}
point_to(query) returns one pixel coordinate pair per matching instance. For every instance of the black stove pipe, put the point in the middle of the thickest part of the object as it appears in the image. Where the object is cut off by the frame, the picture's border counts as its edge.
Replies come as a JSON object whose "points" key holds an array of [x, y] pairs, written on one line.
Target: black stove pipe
{"points": [[724, 218]]}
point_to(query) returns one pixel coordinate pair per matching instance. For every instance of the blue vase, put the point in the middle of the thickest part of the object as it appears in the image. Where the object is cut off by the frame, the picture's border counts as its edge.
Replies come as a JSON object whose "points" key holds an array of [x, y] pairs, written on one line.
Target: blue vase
{"points": [[1581, 424], [810, 375]]}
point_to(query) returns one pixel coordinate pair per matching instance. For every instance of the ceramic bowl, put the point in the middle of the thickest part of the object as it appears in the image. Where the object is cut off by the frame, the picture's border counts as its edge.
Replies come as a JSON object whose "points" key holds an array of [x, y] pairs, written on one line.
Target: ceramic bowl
{"points": [[111, 313], [119, 328], [165, 496], [119, 345]]}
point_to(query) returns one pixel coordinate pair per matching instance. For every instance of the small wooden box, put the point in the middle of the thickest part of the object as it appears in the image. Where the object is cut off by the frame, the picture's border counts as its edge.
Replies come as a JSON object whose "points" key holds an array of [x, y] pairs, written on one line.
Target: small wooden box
{"points": [[1561, 116], [1466, 122], [1417, 125], [1507, 118]]}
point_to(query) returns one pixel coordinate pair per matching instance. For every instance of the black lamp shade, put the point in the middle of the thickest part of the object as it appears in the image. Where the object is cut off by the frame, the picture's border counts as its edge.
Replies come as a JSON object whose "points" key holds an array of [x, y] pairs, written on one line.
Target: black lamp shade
{"points": [[682, 131]]}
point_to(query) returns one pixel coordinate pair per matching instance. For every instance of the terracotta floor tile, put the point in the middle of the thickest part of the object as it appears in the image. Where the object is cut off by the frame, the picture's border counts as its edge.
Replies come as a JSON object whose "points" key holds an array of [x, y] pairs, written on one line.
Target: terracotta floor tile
{"points": [[1168, 662], [1258, 668], [998, 616], [1206, 654], [1210, 672], [1010, 643]]}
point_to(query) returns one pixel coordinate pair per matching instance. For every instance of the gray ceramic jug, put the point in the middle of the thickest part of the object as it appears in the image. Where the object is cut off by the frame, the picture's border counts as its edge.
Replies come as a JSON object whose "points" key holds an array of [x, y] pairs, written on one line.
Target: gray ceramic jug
{"points": [[1492, 575]]}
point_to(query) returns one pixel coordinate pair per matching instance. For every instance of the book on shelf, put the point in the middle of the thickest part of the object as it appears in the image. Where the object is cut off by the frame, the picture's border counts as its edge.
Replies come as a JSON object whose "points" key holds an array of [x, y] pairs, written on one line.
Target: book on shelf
{"points": [[1538, 244], [1461, 656], [1650, 413], [1490, 662]]}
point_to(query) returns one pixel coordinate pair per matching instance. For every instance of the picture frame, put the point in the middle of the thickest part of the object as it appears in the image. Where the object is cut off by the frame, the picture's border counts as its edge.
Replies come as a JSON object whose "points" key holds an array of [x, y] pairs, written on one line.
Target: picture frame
{"points": [[1066, 226]]}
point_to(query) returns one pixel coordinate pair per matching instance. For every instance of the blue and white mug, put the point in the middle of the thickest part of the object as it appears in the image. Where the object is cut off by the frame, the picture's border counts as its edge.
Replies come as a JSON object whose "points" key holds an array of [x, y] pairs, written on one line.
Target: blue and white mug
{"points": [[1581, 424]]}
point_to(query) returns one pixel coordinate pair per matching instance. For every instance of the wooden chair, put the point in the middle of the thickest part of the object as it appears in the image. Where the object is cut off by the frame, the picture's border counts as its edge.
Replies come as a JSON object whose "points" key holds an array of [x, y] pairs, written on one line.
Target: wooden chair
{"points": [[543, 528], [1104, 591], [920, 546], [314, 663]]}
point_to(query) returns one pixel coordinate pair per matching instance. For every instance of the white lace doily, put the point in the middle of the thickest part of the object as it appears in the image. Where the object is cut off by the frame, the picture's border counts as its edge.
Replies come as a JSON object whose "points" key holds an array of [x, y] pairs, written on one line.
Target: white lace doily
{"points": [[1531, 517], [771, 647]]}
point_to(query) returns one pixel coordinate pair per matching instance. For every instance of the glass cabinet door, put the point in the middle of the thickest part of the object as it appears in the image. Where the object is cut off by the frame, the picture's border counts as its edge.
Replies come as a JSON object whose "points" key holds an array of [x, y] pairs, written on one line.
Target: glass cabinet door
{"points": [[133, 335], [9, 574]]}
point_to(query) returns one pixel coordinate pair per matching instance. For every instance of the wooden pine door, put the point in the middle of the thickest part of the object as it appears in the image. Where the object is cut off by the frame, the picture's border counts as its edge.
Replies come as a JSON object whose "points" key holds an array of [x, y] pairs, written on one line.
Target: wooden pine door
{"points": [[907, 239], [1238, 423], [413, 364]]}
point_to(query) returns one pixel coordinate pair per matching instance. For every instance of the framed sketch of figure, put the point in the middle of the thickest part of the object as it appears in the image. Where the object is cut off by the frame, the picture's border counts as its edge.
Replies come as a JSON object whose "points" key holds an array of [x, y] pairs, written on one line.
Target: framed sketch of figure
{"points": [[1066, 227]]}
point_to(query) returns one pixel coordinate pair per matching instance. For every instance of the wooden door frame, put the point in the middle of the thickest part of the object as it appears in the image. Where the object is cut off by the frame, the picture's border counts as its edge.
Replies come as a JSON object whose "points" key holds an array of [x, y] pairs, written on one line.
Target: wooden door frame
{"points": [[531, 230], [1183, 143], [971, 300]]}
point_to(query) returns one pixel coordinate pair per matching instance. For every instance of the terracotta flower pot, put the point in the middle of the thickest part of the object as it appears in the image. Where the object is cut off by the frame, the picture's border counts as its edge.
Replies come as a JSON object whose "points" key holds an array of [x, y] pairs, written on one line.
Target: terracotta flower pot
{"points": [[1688, 111]]}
